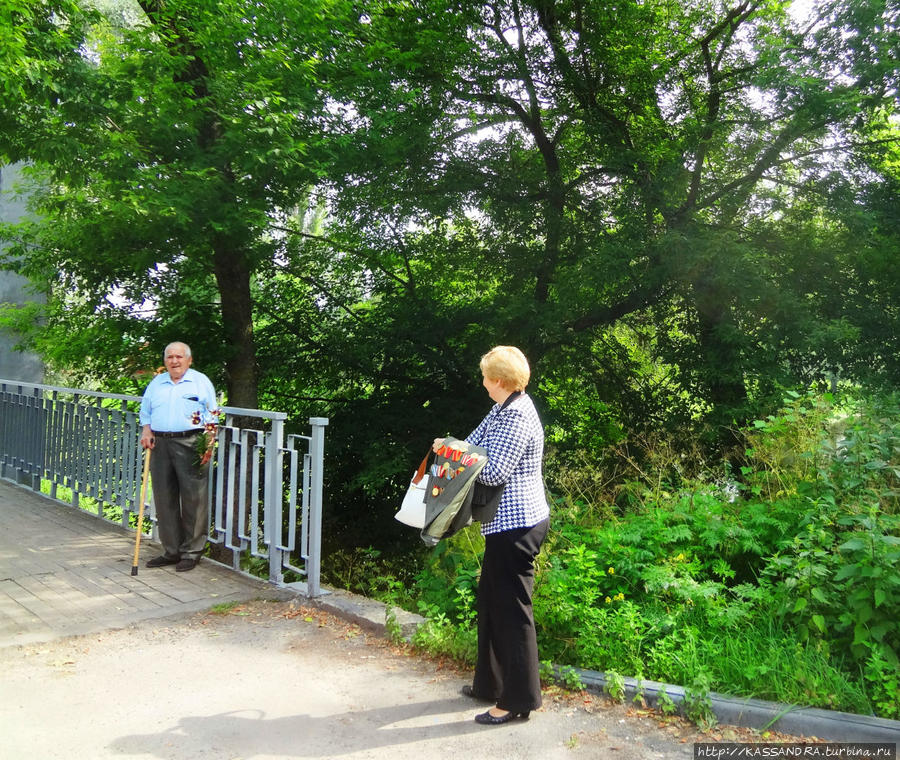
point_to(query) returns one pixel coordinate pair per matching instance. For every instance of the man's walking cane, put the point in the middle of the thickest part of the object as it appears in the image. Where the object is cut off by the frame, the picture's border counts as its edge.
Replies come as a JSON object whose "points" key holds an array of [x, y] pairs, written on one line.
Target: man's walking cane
{"points": [[140, 520]]}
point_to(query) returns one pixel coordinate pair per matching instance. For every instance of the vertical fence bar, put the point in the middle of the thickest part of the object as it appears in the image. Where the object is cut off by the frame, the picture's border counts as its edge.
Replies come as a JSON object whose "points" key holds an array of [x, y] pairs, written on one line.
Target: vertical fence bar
{"points": [[75, 452], [40, 433], [217, 487], [54, 443], [243, 485], [254, 501], [6, 443]]}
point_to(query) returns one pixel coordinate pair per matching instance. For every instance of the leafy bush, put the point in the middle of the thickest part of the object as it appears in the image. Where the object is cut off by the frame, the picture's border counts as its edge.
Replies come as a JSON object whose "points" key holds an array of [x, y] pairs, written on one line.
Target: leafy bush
{"points": [[837, 581], [440, 635], [364, 570], [450, 576]]}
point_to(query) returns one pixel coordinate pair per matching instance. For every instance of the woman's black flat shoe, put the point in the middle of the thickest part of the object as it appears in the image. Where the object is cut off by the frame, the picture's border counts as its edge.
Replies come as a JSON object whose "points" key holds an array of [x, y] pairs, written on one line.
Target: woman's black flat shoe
{"points": [[486, 719]]}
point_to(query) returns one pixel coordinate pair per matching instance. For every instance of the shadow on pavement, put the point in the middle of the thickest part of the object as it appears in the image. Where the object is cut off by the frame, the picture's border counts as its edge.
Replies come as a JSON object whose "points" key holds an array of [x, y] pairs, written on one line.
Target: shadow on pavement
{"points": [[252, 733]]}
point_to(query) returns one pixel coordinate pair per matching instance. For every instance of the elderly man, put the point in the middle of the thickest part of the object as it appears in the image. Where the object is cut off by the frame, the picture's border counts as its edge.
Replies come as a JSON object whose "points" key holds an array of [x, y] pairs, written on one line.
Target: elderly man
{"points": [[175, 410]]}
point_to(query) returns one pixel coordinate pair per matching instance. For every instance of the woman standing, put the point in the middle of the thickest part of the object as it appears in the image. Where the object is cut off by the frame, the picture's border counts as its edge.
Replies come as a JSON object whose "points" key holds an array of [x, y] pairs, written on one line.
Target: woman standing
{"points": [[507, 670]]}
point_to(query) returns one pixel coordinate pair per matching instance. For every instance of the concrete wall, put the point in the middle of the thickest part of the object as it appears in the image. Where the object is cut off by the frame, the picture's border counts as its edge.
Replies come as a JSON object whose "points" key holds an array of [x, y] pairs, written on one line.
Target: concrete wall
{"points": [[14, 365]]}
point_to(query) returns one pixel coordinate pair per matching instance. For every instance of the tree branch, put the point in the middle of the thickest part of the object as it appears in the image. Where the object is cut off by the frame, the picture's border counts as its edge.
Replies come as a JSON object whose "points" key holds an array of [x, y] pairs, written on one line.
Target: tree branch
{"points": [[407, 284]]}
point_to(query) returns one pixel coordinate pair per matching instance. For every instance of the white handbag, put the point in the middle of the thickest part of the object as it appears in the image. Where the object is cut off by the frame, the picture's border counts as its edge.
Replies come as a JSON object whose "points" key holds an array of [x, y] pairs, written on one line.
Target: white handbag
{"points": [[412, 510]]}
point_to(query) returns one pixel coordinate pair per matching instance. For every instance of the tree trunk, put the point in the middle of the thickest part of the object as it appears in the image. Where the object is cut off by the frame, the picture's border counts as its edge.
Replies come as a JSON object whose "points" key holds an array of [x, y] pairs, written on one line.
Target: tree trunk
{"points": [[233, 280], [721, 363], [241, 377]]}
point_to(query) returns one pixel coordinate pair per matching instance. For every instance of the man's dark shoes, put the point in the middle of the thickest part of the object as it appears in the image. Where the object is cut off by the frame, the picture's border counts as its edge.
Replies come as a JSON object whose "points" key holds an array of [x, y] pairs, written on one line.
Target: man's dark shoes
{"points": [[486, 719], [186, 564], [468, 691], [162, 561]]}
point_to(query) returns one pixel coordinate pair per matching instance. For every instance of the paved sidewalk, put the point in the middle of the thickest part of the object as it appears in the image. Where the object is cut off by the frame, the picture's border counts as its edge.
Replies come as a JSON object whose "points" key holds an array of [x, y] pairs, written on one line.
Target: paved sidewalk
{"points": [[64, 572]]}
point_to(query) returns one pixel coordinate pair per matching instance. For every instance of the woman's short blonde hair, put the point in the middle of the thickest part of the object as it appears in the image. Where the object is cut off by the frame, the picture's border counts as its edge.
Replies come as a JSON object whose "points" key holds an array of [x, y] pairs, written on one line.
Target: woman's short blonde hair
{"points": [[508, 365]]}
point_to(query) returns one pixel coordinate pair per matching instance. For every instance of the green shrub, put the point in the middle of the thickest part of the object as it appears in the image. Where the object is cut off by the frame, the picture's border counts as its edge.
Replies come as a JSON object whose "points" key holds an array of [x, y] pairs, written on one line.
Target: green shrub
{"points": [[883, 678], [441, 636]]}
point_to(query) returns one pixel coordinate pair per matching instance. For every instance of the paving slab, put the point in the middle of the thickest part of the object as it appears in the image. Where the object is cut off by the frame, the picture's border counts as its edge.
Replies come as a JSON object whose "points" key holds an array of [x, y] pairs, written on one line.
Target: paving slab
{"points": [[64, 572]]}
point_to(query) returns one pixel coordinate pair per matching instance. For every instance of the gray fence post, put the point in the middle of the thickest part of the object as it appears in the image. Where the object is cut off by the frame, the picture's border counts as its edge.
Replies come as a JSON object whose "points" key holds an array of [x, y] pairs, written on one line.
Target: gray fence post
{"points": [[317, 455], [273, 499]]}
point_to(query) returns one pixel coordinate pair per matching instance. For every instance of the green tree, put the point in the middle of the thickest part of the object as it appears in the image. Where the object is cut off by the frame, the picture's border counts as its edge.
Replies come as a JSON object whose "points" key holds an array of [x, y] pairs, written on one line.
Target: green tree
{"points": [[867, 241], [620, 173], [609, 189], [160, 161], [658, 202]]}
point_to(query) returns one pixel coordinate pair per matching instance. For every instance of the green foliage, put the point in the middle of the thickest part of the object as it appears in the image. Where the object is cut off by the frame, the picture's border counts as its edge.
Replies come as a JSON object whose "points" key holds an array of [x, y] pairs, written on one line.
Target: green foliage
{"points": [[639, 698], [570, 678], [863, 465], [391, 624], [364, 570], [665, 703], [439, 635], [785, 449], [710, 586], [837, 580], [546, 671], [566, 676], [363, 201], [160, 162], [224, 608], [445, 590], [449, 579], [883, 678]]}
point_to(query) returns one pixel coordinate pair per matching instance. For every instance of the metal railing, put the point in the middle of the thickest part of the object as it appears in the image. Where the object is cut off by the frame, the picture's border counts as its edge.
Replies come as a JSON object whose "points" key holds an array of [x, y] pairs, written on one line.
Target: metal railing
{"points": [[81, 447]]}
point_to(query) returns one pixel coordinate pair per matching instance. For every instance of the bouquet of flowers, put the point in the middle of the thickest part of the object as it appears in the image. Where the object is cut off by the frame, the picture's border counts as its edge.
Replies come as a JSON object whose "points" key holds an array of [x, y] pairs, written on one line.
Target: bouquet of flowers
{"points": [[206, 443]]}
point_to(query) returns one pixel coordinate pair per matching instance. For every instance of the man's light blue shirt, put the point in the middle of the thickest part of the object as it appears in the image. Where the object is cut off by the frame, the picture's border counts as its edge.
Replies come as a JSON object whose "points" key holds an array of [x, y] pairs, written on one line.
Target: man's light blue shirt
{"points": [[174, 407]]}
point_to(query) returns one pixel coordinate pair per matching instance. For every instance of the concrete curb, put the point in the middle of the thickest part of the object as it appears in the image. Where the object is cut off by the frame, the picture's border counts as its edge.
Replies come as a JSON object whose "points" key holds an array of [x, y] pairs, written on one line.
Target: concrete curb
{"points": [[830, 725], [367, 613]]}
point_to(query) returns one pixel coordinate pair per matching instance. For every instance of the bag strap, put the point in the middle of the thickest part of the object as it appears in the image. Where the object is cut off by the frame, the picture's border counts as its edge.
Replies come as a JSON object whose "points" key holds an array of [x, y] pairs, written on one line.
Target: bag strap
{"points": [[509, 399], [420, 473]]}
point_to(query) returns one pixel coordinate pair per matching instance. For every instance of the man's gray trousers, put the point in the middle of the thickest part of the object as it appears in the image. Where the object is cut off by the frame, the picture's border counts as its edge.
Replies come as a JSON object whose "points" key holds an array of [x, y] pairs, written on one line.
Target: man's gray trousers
{"points": [[181, 496]]}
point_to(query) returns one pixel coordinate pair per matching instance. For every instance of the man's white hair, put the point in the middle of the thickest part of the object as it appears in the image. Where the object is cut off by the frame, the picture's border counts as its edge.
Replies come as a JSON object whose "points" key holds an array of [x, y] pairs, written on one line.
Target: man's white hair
{"points": [[187, 348]]}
